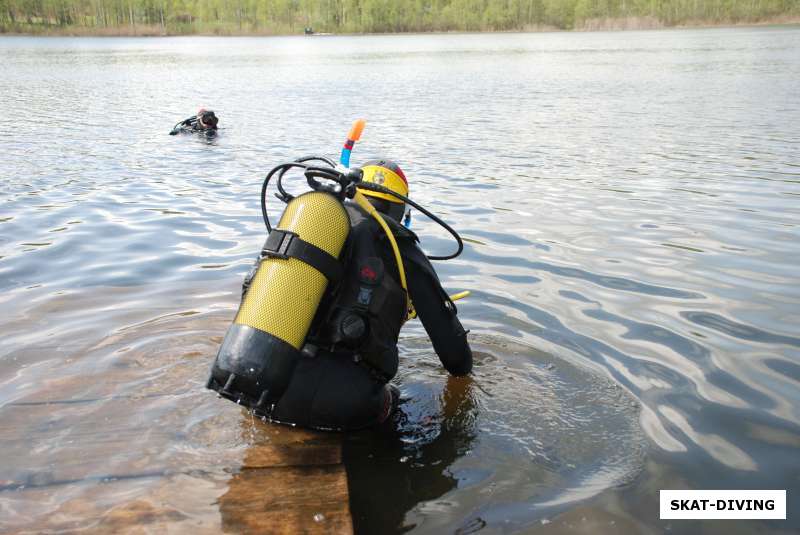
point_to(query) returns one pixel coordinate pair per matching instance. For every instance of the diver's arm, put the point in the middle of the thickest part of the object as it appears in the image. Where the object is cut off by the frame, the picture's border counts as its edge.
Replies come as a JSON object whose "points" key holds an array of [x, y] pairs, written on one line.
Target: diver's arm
{"points": [[438, 316], [178, 126]]}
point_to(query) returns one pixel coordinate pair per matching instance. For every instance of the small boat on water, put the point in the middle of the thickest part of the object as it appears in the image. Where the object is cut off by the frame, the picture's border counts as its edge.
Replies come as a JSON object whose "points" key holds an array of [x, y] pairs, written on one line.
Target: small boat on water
{"points": [[310, 31]]}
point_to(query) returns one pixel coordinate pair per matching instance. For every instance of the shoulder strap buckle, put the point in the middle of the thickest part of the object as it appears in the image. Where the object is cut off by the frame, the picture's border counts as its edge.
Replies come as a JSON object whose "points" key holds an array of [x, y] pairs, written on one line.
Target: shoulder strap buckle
{"points": [[286, 244], [278, 243]]}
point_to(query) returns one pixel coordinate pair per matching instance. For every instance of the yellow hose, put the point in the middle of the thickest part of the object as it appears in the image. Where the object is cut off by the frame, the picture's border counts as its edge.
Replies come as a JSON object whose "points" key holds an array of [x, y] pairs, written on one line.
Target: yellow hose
{"points": [[367, 206], [455, 297]]}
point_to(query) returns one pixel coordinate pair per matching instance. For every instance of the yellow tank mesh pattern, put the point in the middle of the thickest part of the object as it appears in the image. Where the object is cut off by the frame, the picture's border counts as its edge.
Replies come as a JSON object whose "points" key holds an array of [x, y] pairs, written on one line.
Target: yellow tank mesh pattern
{"points": [[285, 293], [320, 219]]}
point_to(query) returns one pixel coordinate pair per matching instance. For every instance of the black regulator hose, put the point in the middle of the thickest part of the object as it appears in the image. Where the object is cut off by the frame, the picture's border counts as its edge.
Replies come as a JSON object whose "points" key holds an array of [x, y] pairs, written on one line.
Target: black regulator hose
{"points": [[283, 194], [382, 189], [315, 158], [282, 168], [330, 173]]}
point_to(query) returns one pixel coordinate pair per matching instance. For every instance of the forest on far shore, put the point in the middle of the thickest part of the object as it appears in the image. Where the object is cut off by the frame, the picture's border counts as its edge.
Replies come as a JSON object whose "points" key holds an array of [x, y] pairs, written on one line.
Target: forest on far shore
{"points": [[244, 17]]}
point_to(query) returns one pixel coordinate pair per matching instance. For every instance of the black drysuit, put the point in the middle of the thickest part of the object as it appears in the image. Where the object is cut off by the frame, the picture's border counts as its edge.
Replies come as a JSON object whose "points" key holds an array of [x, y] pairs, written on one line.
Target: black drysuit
{"points": [[345, 389]]}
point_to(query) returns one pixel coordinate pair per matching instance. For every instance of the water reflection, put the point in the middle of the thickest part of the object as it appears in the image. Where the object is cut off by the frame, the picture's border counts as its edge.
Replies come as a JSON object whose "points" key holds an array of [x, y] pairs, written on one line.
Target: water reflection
{"points": [[526, 436], [409, 462]]}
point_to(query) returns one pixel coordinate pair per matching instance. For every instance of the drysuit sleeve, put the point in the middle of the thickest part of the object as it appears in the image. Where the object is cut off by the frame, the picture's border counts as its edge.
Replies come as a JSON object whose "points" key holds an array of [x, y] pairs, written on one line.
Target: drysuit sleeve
{"points": [[437, 313]]}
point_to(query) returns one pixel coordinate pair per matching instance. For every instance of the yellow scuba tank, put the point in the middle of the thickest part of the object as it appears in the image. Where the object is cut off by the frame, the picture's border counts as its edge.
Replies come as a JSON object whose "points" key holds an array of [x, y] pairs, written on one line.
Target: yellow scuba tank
{"points": [[300, 257]]}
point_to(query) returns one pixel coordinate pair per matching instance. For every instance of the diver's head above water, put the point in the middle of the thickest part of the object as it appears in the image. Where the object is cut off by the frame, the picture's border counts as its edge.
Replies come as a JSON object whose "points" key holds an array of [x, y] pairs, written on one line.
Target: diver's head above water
{"points": [[206, 120], [388, 174]]}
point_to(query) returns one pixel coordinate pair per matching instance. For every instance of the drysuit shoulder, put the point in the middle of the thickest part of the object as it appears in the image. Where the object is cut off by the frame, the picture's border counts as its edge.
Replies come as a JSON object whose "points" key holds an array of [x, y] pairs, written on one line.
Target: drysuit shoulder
{"points": [[358, 216], [401, 231]]}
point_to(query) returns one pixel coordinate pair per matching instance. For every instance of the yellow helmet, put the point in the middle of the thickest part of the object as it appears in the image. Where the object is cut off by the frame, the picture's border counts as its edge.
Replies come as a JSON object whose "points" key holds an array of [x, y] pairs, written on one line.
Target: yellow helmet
{"points": [[387, 174]]}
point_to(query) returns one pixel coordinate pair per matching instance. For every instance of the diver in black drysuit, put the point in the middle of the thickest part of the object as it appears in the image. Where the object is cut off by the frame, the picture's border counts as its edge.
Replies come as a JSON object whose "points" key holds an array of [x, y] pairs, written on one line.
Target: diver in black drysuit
{"points": [[341, 379], [204, 122]]}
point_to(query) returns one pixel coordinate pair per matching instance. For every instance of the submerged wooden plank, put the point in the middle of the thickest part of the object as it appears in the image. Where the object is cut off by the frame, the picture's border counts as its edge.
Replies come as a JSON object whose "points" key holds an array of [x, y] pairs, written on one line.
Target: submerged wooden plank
{"points": [[300, 454], [290, 500], [105, 464]]}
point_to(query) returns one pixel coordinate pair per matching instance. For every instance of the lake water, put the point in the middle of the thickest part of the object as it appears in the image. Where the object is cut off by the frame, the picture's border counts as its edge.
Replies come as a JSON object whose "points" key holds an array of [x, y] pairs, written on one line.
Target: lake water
{"points": [[631, 204]]}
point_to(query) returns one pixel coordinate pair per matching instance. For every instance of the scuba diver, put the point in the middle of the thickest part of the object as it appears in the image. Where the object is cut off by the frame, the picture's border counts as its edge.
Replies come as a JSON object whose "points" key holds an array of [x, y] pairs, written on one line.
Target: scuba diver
{"points": [[314, 342], [204, 122]]}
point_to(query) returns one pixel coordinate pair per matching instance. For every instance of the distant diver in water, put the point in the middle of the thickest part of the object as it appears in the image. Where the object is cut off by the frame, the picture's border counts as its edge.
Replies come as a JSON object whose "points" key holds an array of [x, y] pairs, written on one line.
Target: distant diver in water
{"points": [[204, 122]]}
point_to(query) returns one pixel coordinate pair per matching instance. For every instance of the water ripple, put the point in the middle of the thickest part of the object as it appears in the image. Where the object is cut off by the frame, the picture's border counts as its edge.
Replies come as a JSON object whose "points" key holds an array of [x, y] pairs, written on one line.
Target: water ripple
{"points": [[628, 202]]}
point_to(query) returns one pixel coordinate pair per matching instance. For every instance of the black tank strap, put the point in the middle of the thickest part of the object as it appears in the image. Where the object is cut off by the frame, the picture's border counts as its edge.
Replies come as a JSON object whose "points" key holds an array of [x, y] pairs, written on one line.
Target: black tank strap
{"points": [[285, 244]]}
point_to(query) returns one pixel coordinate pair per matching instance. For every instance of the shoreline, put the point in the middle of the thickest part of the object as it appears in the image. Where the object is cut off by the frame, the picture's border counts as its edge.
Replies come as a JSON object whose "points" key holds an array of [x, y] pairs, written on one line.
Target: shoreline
{"points": [[590, 25]]}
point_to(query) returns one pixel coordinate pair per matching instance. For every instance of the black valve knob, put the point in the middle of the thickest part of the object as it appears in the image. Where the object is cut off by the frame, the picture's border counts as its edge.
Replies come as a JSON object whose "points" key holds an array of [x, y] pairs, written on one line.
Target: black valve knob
{"points": [[353, 327]]}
